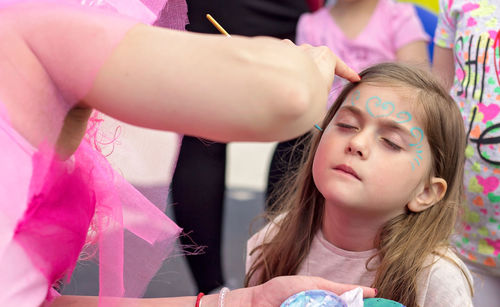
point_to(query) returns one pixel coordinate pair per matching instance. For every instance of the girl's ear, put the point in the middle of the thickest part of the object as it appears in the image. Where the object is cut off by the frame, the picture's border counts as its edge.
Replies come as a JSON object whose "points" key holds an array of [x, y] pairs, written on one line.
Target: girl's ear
{"points": [[430, 194]]}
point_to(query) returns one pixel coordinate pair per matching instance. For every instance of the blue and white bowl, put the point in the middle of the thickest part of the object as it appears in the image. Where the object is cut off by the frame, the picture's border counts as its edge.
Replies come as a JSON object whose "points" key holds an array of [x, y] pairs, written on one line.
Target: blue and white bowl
{"points": [[314, 298]]}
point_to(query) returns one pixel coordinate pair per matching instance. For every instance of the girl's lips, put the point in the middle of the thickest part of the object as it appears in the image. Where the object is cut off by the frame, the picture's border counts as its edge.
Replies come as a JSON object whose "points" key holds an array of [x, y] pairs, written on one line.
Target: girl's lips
{"points": [[346, 169]]}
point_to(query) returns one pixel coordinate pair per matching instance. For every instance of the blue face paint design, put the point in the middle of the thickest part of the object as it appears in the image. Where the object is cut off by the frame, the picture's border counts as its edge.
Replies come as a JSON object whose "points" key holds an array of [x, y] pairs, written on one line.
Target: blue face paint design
{"points": [[418, 145], [375, 105], [383, 109], [421, 134], [402, 115], [355, 96]]}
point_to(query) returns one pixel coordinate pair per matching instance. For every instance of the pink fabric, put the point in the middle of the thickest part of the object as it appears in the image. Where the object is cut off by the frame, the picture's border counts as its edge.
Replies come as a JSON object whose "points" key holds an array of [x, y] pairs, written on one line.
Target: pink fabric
{"points": [[48, 205], [42, 82], [16, 162], [21, 282], [63, 195], [174, 16], [391, 26], [23, 285]]}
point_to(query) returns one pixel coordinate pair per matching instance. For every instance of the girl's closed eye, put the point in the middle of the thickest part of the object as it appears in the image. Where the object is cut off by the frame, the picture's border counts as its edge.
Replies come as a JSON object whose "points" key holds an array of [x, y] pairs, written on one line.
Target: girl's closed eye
{"points": [[391, 144], [392, 140], [347, 122], [346, 126]]}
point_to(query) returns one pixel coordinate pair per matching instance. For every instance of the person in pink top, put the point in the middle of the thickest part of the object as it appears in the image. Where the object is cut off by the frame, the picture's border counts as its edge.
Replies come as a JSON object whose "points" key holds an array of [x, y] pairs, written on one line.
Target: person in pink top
{"points": [[377, 195], [366, 32], [61, 200]]}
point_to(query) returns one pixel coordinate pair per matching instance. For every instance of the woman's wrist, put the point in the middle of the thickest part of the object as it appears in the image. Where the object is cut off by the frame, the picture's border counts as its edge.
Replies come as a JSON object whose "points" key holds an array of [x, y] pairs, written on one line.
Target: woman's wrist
{"points": [[209, 300], [240, 297]]}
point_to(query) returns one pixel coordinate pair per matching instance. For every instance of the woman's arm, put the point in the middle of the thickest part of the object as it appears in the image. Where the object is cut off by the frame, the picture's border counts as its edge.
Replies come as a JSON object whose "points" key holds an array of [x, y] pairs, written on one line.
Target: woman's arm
{"points": [[93, 301], [408, 35], [211, 86], [443, 66], [414, 53], [271, 293]]}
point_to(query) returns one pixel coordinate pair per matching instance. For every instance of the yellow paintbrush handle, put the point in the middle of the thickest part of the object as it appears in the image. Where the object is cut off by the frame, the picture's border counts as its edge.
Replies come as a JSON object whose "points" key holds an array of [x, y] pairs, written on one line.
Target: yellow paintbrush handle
{"points": [[217, 25]]}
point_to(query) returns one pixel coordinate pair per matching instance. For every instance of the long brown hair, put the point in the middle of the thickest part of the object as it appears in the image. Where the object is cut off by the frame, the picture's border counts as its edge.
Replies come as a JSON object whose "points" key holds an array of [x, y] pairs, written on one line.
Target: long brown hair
{"points": [[408, 240]]}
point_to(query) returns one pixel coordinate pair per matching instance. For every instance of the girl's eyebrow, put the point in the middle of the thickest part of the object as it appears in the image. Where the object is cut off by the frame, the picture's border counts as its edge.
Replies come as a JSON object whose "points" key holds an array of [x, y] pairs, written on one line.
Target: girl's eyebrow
{"points": [[393, 125], [352, 109], [385, 122]]}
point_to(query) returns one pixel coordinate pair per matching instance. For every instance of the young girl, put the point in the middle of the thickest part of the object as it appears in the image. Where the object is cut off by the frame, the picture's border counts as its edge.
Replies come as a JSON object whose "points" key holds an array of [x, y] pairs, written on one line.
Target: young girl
{"points": [[467, 58], [377, 196], [362, 33]]}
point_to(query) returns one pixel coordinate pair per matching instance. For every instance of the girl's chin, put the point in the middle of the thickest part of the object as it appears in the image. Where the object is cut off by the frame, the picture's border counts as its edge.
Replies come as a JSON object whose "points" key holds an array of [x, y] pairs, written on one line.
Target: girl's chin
{"points": [[344, 198]]}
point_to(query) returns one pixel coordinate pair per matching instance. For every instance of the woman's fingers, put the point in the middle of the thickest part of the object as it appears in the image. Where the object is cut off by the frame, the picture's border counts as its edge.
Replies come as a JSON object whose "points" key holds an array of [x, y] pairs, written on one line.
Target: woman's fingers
{"points": [[344, 71], [329, 64]]}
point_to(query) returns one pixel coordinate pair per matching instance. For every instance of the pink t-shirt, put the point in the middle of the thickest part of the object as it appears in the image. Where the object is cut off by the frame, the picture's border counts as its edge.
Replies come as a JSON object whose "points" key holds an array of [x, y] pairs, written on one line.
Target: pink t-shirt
{"points": [[441, 283], [391, 26]]}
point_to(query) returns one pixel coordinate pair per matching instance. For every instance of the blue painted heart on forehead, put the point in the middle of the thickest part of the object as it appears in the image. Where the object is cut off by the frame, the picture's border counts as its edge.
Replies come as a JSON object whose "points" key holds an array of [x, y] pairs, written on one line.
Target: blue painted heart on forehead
{"points": [[377, 108]]}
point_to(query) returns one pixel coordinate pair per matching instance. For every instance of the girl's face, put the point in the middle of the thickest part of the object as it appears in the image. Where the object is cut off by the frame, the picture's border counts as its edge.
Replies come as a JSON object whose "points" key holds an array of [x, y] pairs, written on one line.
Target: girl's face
{"points": [[373, 155]]}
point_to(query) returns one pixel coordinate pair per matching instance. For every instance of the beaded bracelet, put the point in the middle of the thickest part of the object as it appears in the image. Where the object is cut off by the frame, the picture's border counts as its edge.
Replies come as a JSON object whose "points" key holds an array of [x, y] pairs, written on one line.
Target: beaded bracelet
{"points": [[222, 294]]}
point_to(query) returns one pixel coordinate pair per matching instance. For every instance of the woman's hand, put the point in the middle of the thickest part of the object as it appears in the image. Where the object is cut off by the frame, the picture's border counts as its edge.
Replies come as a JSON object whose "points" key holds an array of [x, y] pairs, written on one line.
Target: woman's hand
{"points": [[274, 292], [277, 290]]}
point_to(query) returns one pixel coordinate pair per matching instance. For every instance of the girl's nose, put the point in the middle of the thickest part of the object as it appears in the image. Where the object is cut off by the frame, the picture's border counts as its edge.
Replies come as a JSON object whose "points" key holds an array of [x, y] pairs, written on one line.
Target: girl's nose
{"points": [[358, 145]]}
